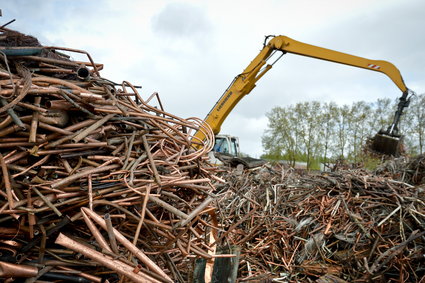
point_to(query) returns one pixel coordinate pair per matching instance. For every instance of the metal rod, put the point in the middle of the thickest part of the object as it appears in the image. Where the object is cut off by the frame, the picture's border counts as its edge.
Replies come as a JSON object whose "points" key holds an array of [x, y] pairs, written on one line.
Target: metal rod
{"points": [[132, 248], [111, 235], [110, 263]]}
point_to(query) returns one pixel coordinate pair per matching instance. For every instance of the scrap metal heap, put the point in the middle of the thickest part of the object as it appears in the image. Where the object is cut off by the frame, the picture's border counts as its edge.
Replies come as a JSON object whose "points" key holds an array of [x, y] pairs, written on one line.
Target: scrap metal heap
{"points": [[93, 178], [344, 226], [98, 185]]}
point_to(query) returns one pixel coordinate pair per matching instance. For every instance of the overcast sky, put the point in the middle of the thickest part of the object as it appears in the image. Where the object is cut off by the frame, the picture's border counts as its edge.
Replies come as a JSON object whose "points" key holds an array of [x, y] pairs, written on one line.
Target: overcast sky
{"points": [[189, 51]]}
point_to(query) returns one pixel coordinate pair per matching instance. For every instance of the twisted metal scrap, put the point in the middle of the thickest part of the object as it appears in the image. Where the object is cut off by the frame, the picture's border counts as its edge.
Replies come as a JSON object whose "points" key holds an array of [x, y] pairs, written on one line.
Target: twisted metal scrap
{"points": [[82, 148], [348, 225]]}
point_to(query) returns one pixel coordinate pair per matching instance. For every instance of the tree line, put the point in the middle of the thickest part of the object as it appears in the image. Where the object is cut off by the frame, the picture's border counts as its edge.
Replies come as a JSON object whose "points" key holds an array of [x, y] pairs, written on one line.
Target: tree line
{"points": [[321, 132]]}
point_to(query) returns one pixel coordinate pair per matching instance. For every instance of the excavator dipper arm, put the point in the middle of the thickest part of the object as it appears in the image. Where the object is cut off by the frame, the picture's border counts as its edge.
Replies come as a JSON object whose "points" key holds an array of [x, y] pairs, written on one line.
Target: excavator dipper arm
{"points": [[245, 82]]}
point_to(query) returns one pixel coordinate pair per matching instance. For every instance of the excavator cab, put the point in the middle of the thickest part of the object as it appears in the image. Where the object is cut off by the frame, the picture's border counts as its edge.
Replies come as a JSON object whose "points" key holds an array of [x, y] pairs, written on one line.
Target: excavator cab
{"points": [[226, 144], [226, 152]]}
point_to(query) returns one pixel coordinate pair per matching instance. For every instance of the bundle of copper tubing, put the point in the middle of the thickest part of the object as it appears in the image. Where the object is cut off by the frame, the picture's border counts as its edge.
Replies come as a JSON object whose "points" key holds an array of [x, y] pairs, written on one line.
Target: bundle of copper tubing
{"points": [[97, 184], [344, 226]]}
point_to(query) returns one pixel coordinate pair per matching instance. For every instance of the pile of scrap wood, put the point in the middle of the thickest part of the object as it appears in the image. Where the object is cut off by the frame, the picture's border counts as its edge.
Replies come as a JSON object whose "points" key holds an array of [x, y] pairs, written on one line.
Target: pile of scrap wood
{"points": [[345, 226], [96, 183]]}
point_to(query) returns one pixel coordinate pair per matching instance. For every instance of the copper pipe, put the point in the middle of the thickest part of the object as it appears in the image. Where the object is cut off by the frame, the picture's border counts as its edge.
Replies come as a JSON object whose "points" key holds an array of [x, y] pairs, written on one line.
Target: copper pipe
{"points": [[169, 207], [17, 139], [15, 144], [53, 70], [35, 107], [92, 63], [91, 96], [83, 145], [99, 66], [90, 191], [22, 93], [51, 80], [72, 128], [83, 274], [8, 92], [49, 60], [55, 117], [96, 234], [93, 127], [195, 212], [6, 180], [47, 202], [152, 162], [12, 129], [69, 195], [31, 216], [57, 151], [132, 248], [106, 261], [8, 270], [38, 163], [83, 73], [59, 105], [66, 165], [5, 122], [10, 154], [36, 90], [15, 157], [7, 231], [62, 140], [34, 122], [65, 181], [90, 162], [111, 235], [53, 129]]}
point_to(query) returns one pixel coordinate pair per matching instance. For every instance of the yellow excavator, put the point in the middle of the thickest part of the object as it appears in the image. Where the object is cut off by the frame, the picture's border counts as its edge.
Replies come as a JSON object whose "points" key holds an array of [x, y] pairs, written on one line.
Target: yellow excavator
{"points": [[387, 141]]}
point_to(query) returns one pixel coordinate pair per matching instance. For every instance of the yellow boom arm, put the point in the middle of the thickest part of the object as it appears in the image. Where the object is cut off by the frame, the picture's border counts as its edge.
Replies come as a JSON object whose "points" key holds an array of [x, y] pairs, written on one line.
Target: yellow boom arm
{"points": [[245, 82]]}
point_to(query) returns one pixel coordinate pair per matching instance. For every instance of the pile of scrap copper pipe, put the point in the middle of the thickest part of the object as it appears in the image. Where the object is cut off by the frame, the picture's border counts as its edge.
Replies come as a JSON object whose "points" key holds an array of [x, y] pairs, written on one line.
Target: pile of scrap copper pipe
{"points": [[347, 226], [96, 183], [406, 169]]}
